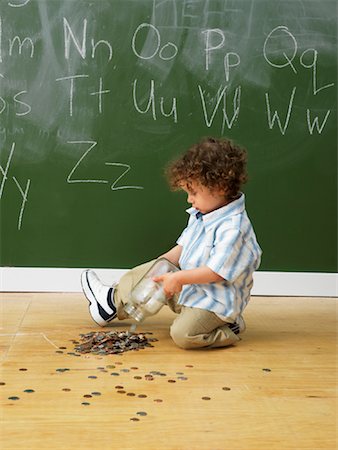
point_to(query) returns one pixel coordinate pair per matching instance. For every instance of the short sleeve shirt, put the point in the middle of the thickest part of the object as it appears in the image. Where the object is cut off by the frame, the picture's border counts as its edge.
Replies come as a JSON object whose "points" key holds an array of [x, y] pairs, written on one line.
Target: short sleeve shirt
{"points": [[224, 241]]}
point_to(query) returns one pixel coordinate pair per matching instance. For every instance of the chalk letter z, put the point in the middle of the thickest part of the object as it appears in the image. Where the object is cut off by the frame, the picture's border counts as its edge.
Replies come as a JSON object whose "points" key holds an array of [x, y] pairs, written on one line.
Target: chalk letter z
{"points": [[69, 178]]}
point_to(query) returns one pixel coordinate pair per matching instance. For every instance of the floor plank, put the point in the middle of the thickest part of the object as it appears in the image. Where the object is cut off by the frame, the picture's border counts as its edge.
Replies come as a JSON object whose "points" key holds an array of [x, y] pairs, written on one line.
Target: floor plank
{"points": [[276, 389]]}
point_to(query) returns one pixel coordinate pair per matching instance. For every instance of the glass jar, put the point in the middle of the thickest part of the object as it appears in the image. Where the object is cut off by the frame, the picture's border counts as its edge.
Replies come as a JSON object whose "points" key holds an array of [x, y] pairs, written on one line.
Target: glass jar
{"points": [[147, 297]]}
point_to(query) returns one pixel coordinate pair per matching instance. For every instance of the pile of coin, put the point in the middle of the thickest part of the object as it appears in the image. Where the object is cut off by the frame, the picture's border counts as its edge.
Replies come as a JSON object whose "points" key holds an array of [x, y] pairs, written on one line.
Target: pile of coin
{"points": [[112, 342]]}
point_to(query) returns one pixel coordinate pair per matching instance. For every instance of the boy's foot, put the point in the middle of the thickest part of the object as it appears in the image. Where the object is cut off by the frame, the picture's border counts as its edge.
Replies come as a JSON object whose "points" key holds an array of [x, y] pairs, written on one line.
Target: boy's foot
{"points": [[102, 307]]}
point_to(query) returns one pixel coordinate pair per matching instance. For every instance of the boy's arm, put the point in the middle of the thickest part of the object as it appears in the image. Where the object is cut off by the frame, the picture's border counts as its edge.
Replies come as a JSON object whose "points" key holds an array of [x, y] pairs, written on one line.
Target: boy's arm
{"points": [[173, 282], [173, 255]]}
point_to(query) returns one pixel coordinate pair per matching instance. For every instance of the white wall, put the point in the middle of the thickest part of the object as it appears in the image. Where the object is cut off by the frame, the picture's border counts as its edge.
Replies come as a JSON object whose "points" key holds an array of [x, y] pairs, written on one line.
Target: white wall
{"points": [[16, 279]]}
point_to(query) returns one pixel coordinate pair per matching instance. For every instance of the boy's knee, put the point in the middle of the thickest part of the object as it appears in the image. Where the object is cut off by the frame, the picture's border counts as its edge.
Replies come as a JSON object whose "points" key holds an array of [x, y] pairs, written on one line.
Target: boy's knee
{"points": [[181, 338]]}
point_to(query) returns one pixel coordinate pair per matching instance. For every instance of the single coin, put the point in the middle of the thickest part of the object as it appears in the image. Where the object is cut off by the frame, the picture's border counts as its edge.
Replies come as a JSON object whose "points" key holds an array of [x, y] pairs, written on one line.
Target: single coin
{"points": [[92, 376], [226, 388], [141, 413], [158, 400], [85, 403], [96, 393], [88, 396], [23, 369], [134, 419], [206, 398], [2, 383], [142, 396], [267, 370], [29, 391], [13, 398], [66, 389]]}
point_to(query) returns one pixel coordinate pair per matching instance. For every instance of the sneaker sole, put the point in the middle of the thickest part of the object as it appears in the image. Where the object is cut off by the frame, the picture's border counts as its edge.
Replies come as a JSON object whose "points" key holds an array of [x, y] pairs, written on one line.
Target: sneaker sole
{"points": [[93, 303]]}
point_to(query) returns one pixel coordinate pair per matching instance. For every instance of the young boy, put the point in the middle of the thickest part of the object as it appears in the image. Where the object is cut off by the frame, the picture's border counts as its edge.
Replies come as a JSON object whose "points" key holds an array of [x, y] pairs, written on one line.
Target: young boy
{"points": [[217, 253]]}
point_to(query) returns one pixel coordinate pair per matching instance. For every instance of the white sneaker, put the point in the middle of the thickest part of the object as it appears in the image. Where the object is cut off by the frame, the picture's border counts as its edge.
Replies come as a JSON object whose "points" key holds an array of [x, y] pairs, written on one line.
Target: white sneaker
{"points": [[101, 307]]}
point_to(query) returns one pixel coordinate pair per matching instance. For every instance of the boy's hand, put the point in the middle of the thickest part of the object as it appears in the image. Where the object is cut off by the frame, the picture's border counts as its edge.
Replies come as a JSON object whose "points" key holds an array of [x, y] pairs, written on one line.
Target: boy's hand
{"points": [[171, 283]]}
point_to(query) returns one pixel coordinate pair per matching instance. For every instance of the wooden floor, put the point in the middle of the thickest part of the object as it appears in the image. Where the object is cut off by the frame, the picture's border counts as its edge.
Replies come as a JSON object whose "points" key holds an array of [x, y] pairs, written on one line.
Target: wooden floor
{"points": [[276, 389]]}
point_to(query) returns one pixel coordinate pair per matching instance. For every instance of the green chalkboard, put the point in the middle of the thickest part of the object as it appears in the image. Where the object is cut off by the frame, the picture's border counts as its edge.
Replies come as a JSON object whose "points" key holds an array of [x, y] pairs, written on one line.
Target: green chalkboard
{"points": [[97, 96]]}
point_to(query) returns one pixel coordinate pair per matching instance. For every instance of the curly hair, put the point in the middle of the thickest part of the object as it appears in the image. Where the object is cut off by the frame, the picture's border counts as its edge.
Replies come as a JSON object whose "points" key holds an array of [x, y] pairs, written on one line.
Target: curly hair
{"points": [[217, 164]]}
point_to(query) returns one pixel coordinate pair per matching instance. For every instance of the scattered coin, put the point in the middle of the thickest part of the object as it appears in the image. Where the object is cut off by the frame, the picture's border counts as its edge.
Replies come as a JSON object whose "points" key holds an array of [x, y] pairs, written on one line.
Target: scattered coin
{"points": [[158, 400], [137, 377], [88, 396], [63, 348], [111, 342], [226, 388], [13, 398], [29, 391], [23, 369], [2, 383], [121, 392], [171, 381], [111, 366], [66, 389], [96, 393], [59, 351], [189, 365], [182, 378], [92, 376], [267, 370], [131, 394], [206, 398], [141, 413], [134, 419], [85, 403], [142, 396], [118, 387]]}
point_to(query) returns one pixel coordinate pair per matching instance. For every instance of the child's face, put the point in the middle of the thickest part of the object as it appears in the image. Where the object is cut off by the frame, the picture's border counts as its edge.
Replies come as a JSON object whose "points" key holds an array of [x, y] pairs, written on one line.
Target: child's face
{"points": [[202, 198]]}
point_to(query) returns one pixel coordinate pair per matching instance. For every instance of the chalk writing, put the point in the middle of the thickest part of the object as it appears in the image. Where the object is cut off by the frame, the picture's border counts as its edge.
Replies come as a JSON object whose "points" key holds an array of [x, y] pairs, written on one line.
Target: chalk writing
{"points": [[114, 186], [272, 118], [179, 60], [18, 4], [166, 52], [5, 171], [81, 47], [221, 97], [291, 48], [71, 89], [315, 122], [24, 193], [152, 103], [91, 144]]}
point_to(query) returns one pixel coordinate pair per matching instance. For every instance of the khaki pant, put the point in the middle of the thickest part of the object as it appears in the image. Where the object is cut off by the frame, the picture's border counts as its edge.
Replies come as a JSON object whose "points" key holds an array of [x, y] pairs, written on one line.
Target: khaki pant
{"points": [[193, 328]]}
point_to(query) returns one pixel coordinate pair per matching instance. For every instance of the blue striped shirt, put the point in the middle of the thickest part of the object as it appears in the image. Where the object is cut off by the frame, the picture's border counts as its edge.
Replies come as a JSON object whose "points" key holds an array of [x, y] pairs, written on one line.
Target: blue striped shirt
{"points": [[224, 241]]}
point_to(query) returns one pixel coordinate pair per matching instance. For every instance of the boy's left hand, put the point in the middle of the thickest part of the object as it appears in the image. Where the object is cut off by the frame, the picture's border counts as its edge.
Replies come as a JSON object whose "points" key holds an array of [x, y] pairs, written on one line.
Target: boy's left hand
{"points": [[171, 283]]}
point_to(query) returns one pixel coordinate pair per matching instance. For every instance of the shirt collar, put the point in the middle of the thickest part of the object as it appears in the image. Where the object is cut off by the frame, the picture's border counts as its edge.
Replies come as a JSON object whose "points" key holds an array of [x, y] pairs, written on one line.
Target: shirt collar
{"points": [[231, 209]]}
